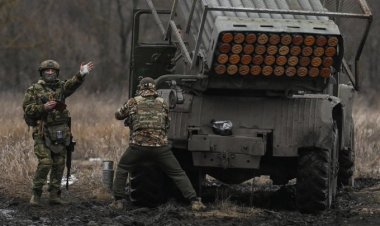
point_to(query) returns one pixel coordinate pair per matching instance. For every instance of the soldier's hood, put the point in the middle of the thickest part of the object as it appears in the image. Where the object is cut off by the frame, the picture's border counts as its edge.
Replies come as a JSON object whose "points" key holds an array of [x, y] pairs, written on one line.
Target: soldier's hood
{"points": [[148, 92]]}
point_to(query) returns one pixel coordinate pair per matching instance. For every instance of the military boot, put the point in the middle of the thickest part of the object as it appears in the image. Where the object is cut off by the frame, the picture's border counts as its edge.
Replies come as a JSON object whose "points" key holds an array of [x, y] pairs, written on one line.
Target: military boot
{"points": [[197, 204], [55, 198], [36, 198]]}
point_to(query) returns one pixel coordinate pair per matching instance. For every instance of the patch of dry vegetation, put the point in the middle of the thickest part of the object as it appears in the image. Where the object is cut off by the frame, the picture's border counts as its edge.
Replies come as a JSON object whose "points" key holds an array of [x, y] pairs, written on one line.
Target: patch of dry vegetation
{"points": [[94, 127], [17, 160], [99, 135], [367, 138]]}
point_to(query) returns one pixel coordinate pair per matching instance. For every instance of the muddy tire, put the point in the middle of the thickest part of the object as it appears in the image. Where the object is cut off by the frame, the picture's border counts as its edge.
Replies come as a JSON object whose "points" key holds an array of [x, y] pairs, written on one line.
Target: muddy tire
{"points": [[347, 163], [317, 177], [147, 186], [316, 185], [312, 180]]}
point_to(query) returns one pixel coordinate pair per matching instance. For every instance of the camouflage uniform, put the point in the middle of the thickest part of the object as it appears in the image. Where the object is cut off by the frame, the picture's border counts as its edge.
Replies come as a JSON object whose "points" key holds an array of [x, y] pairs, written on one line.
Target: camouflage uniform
{"points": [[147, 117], [51, 132]]}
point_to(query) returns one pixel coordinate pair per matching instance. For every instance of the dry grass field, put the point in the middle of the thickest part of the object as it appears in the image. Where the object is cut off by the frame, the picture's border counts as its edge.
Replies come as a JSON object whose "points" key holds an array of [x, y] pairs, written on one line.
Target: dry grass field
{"points": [[94, 127], [367, 138], [99, 135]]}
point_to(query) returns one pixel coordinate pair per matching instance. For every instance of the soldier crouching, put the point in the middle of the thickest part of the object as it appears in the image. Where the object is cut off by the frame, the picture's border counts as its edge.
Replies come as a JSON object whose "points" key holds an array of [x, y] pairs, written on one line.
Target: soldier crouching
{"points": [[45, 111], [148, 120]]}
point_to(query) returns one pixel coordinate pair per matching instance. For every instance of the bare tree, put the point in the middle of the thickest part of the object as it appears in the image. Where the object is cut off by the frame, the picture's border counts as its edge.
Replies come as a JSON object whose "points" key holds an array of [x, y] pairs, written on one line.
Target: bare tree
{"points": [[72, 31]]}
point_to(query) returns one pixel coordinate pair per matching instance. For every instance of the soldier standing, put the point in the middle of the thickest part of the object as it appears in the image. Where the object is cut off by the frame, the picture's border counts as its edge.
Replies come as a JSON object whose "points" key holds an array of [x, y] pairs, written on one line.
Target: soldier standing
{"points": [[148, 120], [45, 111]]}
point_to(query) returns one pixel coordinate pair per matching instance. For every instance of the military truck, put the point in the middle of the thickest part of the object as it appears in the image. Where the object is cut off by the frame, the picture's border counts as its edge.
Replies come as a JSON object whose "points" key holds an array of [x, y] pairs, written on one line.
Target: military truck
{"points": [[255, 88]]}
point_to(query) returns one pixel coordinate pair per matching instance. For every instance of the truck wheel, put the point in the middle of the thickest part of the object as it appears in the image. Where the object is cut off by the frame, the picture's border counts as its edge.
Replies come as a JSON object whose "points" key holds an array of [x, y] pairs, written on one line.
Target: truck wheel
{"points": [[312, 186], [317, 177], [317, 174], [147, 186], [347, 163]]}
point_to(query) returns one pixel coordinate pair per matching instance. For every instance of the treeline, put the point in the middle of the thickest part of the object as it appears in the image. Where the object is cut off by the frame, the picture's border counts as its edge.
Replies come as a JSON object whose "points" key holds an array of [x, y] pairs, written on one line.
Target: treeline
{"points": [[69, 31], [74, 31]]}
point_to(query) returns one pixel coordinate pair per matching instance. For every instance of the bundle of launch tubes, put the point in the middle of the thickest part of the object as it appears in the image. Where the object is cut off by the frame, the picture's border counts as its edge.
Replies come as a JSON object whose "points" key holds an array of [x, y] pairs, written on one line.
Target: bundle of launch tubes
{"points": [[275, 54]]}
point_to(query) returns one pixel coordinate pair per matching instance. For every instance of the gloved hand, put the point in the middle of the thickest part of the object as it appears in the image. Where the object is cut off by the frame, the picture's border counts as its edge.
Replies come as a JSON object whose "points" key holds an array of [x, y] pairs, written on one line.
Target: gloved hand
{"points": [[86, 68]]}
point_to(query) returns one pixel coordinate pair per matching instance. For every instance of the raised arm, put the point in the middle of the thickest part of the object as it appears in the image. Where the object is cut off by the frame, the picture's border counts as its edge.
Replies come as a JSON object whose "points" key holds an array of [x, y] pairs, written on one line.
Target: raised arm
{"points": [[72, 84]]}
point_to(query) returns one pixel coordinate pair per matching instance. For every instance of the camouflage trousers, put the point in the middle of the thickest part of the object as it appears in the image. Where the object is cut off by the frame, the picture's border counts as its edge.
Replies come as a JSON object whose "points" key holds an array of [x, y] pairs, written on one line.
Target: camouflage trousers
{"points": [[163, 157], [48, 161]]}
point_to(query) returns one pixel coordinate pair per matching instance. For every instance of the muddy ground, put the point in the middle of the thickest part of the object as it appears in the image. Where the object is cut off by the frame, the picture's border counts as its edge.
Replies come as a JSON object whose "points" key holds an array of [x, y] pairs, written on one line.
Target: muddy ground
{"points": [[247, 204]]}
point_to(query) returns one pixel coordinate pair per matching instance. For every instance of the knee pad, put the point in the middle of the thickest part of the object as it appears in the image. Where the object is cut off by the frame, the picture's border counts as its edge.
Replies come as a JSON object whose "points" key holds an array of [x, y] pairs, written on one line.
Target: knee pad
{"points": [[46, 162], [60, 161]]}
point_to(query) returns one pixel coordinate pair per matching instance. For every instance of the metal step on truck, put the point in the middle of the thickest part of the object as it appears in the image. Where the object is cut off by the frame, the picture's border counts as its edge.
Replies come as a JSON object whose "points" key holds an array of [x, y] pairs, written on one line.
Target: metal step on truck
{"points": [[255, 87]]}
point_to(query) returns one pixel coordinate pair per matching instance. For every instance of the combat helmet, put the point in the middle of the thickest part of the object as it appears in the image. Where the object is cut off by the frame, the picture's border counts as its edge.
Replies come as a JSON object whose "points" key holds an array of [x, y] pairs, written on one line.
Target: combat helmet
{"points": [[147, 83], [49, 64]]}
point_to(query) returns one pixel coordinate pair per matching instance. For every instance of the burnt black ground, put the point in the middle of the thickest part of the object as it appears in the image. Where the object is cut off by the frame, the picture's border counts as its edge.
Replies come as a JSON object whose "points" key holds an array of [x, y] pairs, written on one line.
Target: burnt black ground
{"points": [[227, 205]]}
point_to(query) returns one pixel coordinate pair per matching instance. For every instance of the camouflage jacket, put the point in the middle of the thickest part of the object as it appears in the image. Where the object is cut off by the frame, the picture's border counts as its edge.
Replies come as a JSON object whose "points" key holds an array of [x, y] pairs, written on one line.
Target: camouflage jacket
{"points": [[148, 137], [41, 92]]}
